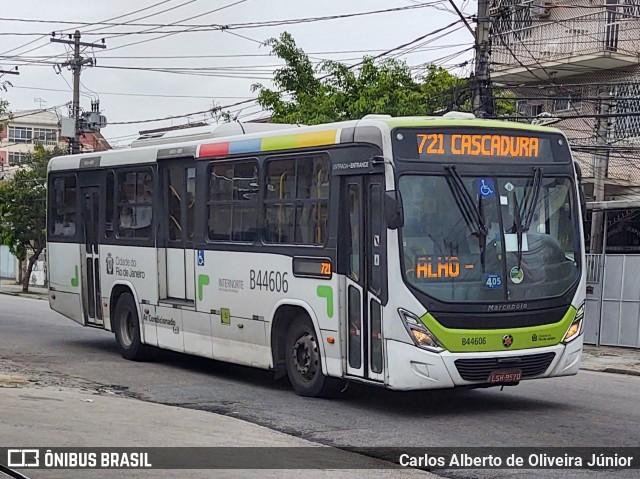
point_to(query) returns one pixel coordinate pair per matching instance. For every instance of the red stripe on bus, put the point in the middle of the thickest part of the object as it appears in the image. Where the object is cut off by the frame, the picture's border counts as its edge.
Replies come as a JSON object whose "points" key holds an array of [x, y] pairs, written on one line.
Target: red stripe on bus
{"points": [[214, 149]]}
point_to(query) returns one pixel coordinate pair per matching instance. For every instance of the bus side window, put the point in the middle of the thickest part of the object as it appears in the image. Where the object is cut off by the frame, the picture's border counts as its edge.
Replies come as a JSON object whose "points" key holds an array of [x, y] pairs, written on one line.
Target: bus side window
{"points": [[135, 211], [233, 201], [64, 217], [296, 200], [110, 206]]}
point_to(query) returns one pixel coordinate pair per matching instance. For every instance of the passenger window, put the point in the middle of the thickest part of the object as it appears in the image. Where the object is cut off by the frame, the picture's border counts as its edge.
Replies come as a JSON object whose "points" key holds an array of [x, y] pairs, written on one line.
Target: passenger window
{"points": [[110, 206], [296, 200], [233, 201], [135, 204], [64, 213]]}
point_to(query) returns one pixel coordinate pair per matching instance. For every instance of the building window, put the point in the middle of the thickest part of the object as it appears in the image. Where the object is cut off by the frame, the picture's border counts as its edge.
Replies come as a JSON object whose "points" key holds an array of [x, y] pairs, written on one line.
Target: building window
{"points": [[514, 21], [529, 109], [567, 101], [296, 200], [46, 136], [233, 201], [20, 134], [18, 158], [626, 123]]}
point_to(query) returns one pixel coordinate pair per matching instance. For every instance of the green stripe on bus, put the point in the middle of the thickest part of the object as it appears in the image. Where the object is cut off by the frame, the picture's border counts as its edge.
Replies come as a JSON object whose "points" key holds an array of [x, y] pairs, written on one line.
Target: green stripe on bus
{"points": [[75, 281], [203, 280], [479, 340], [463, 123], [327, 293], [284, 142]]}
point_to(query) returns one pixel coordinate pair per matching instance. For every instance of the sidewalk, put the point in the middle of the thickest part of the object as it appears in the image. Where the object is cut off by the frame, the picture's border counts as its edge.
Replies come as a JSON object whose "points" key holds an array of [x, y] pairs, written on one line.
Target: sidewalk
{"points": [[48, 417], [611, 360], [9, 286]]}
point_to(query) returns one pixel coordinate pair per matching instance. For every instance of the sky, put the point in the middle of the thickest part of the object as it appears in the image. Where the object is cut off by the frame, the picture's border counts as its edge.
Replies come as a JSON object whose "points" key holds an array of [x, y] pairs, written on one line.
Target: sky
{"points": [[202, 68]]}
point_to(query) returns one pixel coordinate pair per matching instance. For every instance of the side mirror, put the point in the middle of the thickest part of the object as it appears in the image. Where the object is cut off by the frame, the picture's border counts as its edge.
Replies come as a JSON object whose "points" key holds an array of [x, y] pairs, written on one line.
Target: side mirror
{"points": [[393, 212]]}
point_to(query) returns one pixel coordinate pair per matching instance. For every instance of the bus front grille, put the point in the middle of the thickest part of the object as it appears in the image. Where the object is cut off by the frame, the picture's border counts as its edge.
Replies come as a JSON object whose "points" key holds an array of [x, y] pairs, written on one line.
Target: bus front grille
{"points": [[479, 369]]}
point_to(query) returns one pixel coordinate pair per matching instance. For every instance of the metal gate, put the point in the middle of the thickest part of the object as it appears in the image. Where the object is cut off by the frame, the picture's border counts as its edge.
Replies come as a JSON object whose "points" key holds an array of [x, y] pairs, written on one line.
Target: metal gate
{"points": [[612, 316], [7, 263]]}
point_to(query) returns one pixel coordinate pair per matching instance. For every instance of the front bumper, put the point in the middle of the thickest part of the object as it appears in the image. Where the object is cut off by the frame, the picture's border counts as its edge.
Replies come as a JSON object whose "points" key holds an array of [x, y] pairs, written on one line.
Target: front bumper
{"points": [[412, 368]]}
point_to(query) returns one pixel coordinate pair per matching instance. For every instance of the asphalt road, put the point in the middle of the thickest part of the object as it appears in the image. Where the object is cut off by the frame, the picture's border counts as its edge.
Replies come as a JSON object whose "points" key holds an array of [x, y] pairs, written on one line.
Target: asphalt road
{"points": [[591, 409]]}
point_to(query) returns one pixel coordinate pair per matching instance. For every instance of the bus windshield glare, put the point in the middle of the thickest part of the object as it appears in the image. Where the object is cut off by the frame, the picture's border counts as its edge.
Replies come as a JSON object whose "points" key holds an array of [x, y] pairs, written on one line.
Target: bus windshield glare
{"points": [[489, 238]]}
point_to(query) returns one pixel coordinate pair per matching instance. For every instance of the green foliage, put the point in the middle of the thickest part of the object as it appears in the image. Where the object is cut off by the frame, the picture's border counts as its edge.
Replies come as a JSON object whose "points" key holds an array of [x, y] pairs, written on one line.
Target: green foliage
{"points": [[23, 207], [3, 111], [335, 92]]}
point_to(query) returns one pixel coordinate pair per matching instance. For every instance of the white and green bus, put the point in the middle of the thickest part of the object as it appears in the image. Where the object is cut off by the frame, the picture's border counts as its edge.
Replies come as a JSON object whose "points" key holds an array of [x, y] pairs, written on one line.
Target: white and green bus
{"points": [[410, 253]]}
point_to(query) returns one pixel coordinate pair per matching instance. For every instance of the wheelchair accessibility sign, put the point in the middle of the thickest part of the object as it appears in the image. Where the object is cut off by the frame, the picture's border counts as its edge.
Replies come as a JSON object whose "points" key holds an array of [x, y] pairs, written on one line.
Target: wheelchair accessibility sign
{"points": [[486, 187], [200, 257]]}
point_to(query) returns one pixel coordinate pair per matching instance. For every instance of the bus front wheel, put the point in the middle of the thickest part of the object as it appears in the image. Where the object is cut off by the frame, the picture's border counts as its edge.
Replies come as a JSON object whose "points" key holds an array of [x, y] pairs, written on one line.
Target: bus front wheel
{"points": [[303, 360], [127, 329]]}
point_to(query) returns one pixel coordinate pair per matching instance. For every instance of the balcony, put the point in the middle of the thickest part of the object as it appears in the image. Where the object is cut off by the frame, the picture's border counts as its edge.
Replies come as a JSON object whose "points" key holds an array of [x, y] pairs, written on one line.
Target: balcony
{"points": [[592, 42]]}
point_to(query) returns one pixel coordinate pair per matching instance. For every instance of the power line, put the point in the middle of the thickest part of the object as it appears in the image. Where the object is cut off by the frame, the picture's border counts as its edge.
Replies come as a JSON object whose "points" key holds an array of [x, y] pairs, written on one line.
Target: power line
{"points": [[204, 97], [267, 23], [170, 34]]}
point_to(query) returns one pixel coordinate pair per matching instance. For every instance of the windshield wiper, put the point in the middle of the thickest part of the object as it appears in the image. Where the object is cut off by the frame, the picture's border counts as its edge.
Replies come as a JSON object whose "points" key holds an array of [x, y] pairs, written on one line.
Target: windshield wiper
{"points": [[468, 209], [523, 214], [465, 203]]}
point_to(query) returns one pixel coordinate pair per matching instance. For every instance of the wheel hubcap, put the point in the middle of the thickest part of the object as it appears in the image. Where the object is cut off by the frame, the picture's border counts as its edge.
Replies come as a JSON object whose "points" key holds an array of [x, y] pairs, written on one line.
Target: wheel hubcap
{"points": [[127, 328], [306, 357]]}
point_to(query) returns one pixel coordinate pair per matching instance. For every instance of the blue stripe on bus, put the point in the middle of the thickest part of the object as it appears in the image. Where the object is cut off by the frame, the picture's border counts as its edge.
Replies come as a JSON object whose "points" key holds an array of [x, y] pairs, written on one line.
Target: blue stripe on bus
{"points": [[245, 146]]}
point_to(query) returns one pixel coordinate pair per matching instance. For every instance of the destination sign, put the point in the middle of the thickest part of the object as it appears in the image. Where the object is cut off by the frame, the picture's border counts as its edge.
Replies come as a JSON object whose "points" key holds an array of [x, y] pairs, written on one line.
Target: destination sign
{"points": [[479, 145], [507, 146], [312, 267], [440, 267]]}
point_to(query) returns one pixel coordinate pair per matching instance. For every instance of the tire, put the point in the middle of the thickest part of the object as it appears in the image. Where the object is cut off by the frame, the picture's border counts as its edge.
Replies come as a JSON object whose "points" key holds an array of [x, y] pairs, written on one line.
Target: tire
{"points": [[303, 361], [126, 326]]}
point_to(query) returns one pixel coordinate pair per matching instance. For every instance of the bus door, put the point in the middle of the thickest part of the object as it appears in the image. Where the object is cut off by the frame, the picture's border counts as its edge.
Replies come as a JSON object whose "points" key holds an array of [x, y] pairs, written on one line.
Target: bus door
{"points": [[179, 183], [365, 283], [91, 297]]}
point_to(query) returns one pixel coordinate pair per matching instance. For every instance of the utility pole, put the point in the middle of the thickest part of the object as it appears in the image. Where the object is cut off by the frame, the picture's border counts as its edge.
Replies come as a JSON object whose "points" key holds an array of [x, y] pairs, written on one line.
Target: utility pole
{"points": [[600, 170], [482, 91], [76, 64]]}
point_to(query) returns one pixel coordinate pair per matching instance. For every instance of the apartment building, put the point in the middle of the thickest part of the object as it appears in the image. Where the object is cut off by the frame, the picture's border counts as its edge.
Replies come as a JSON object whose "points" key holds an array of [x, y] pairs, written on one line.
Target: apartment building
{"points": [[571, 59], [22, 131]]}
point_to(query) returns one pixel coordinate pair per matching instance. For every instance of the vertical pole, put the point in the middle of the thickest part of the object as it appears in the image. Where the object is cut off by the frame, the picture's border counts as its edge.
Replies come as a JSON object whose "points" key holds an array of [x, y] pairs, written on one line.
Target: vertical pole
{"points": [[603, 267], [483, 94], [600, 168], [77, 67]]}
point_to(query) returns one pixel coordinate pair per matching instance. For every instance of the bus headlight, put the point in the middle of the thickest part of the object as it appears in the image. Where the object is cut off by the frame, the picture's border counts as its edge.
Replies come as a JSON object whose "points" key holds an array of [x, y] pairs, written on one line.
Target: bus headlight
{"points": [[576, 326], [418, 332]]}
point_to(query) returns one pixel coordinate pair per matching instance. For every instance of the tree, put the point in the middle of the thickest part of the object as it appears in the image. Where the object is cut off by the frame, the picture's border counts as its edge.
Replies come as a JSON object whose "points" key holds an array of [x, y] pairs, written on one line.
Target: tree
{"points": [[23, 209], [335, 92]]}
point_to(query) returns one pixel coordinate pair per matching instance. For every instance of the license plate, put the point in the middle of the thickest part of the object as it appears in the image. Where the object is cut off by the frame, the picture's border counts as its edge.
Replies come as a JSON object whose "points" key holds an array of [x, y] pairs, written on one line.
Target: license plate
{"points": [[505, 376]]}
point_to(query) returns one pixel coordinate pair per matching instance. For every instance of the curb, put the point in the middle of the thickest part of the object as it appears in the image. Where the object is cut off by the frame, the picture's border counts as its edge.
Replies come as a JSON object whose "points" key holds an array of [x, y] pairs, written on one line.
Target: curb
{"points": [[25, 295], [626, 372]]}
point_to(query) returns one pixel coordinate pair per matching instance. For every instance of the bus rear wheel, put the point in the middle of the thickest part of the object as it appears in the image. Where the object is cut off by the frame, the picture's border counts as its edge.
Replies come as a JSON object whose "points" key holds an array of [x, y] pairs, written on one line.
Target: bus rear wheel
{"points": [[304, 366], [126, 326]]}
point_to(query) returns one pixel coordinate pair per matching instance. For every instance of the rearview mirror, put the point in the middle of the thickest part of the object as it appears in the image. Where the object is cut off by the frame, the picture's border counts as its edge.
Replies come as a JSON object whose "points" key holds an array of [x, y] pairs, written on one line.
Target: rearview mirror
{"points": [[393, 212]]}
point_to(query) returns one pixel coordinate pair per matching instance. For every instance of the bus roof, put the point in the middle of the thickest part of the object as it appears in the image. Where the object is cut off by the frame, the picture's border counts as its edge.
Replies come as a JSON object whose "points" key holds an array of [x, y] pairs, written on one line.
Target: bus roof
{"points": [[366, 130]]}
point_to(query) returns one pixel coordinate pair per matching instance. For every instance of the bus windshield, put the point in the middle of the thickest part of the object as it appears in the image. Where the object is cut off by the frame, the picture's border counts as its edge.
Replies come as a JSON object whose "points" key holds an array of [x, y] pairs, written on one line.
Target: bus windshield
{"points": [[490, 238]]}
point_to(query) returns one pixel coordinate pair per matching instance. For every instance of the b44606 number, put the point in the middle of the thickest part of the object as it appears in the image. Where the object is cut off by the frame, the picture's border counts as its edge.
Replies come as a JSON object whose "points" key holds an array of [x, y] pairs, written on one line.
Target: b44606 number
{"points": [[474, 341], [268, 280]]}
